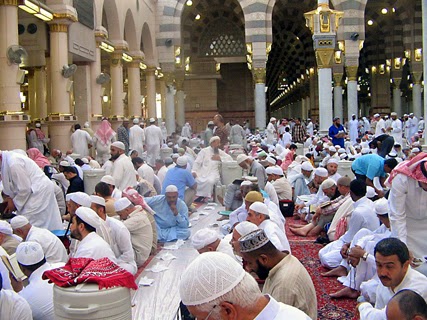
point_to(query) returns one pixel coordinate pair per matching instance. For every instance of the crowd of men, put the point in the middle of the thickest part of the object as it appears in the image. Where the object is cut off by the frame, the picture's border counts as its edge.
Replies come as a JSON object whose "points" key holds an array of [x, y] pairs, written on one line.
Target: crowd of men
{"points": [[370, 220]]}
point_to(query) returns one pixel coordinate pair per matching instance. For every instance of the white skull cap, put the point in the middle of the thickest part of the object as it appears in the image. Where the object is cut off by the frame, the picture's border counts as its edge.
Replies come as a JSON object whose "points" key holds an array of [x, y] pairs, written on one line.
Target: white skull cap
{"points": [[381, 206], [260, 207], [29, 253], [245, 227], [18, 222], [210, 276], [80, 198], [203, 238]]}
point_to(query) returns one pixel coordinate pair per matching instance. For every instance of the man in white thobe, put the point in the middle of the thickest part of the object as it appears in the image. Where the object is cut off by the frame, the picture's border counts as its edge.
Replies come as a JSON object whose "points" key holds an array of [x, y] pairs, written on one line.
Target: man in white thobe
{"points": [[271, 131], [80, 141], [29, 190], [310, 127], [13, 306], [366, 125], [353, 126], [136, 137], [53, 249], [380, 127], [395, 129], [153, 142], [123, 171], [164, 131], [237, 134], [186, 131], [206, 167]]}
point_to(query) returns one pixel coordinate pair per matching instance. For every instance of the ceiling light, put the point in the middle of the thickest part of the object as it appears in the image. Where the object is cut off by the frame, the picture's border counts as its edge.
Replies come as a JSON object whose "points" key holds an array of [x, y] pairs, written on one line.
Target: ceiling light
{"points": [[384, 10], [189, 3], [197, 17], [370, 22]]}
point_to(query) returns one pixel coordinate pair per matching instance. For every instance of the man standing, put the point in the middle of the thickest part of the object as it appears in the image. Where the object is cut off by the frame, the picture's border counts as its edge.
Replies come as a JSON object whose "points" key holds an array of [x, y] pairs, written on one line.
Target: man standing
{"points": [[206, 167], [237, 134], [123, 171], [81, 141], [271, 131], [337, 132], [220, 130], [153, 142], [136, 137], [395, 274], [209, 132], [254, 168], [395, 130], [310, 127], [298, 132], [380, 127], [171, 215], [123, 134], [186, 131], [286, 279], [353, 126]]}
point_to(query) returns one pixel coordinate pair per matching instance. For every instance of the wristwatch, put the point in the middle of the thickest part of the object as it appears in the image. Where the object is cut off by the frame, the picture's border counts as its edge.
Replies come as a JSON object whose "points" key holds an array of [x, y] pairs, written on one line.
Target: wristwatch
{"points": [[365, 256]]}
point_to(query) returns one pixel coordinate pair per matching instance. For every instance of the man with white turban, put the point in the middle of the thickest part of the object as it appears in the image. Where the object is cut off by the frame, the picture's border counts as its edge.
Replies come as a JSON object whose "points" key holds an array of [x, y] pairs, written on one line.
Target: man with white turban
{"points": [[228, 290], [123, 171], [30, 192], [136, 137], [53, 248], [206, 167], [207, 240], [153, 142], [8, 241], [171, 215]]}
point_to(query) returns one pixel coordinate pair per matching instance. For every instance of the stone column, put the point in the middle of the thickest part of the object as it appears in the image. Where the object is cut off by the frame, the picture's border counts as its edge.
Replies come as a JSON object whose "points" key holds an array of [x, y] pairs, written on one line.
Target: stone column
{"points": [[134, 88], [60, 119], [170, 103], [12, 119], [424, 22], [352, 101], [31, 95], [180, 99], [397, 98], [338, 106], [150, 77], [259, 75], [95, 71], [82, 94], [116, 70], [416, 94]]}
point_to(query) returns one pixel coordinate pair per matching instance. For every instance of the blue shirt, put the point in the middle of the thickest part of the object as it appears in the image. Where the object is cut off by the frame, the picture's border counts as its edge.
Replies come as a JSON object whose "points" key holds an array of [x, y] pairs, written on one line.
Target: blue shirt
{"points": [[180, 178], [370, 165], [333, 131]]}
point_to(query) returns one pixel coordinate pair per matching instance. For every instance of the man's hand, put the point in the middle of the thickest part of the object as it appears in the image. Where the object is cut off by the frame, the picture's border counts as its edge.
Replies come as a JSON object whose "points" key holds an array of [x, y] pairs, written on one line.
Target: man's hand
{"points": [[10, 206], [380, 193], [194, 174], [174, 209], [17, 285], [357, 252], [299, 207], [344, 250]]}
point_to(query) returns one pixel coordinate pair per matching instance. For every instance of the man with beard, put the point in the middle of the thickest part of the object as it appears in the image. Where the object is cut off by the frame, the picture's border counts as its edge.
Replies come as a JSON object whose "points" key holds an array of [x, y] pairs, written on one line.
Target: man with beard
{"points": [[206, 167], [332, 168], [337, 132], [221, 130], [254, 168], [123, 171], [394, 271], [286, 279], [171, 215], [91, 245], [123, 134]]}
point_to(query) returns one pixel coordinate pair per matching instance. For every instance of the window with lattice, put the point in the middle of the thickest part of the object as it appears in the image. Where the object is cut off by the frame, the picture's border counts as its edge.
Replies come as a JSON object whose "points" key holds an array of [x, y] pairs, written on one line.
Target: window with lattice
{"points": [[222, 38]]}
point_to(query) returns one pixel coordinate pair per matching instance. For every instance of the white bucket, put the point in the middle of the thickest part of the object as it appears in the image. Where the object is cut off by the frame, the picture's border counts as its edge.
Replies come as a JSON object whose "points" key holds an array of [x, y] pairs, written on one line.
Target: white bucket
{"points": [[165, 153], [91, 179], [230, 172], [300, 150], [344, 168]]}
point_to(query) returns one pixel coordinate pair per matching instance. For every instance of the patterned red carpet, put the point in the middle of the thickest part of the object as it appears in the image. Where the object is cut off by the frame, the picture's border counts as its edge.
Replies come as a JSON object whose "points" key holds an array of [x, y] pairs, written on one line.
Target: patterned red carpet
{"points": [[328, 309]]}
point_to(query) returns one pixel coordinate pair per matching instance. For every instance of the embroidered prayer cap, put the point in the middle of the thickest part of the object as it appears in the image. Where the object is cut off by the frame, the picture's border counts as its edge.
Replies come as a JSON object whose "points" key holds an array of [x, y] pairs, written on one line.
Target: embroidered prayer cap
{"points": [[321, 172], [254, 196], [122, 204], [245, 227], [119, 145], [98, 200], [203, 238], [18, 222], [259, 207], [274, 170], [333, 160], [182, 161], [306, 166], [80, 198], [29, 253], [214, 138], [381, 206], [135, 121], [171, 188], [108, 180], [210, 276], [241, 157], [328, 183], [89, 216], [253, 241], [5, 228]]}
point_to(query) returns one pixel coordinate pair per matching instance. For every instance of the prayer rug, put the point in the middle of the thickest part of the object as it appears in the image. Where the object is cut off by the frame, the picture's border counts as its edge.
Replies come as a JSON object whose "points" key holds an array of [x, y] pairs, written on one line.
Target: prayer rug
{"points": [[291, 236]]}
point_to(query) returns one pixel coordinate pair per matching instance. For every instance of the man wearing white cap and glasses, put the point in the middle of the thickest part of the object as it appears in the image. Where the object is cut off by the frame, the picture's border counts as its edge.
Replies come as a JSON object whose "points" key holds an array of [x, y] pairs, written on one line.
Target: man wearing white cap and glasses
{"points": [[153, 142], [38, 293], [207, 240], [259, 214], [171, 215], [53, 248], [31, 193], [206, 167], [136, 220], [228, 291], [83, 228], [8, 241], [121, 239], [123, 171], [136, 137]]}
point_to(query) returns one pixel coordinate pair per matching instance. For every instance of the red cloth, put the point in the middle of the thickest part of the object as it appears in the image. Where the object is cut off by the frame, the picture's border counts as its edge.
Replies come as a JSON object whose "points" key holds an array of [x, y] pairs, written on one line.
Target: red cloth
{"points": [[411, 168], [104, 132], [136, 199], [40, 134], [35, 155], [103, 271]]}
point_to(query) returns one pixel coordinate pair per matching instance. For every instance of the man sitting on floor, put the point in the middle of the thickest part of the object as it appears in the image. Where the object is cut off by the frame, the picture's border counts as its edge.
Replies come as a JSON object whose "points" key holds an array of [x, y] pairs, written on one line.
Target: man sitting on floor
{"points": [[395, 273], [171, 215], [286, 279]]}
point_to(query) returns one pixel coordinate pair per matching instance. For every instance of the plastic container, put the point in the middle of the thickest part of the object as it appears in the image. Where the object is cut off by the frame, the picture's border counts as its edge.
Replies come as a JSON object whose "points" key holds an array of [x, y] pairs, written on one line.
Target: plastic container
{"points": [[344, 168], [165, 153], [91, 179], [86, 301], [230, 171], [300, 150]]}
